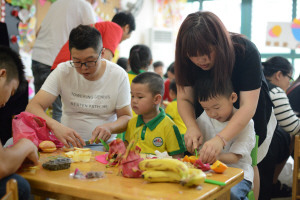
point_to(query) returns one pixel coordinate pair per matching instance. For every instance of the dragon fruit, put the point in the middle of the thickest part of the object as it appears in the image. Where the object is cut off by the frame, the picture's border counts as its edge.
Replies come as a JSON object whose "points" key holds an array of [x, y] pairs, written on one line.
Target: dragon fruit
{"points": [[204, 167], [130, 162], [116, 150]]}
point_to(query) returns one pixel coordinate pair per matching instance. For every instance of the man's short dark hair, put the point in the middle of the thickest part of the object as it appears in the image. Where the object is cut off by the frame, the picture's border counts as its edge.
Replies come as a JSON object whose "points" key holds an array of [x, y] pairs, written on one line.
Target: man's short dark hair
{"points": [[85, 36], [154, 81], [158, 64], [124, 18], [205, 89], [11, 61]]}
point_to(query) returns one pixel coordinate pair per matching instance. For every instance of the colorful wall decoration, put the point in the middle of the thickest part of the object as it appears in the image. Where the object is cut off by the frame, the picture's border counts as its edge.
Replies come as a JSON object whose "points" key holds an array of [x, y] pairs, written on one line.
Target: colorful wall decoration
{"points": [[284, 34]]}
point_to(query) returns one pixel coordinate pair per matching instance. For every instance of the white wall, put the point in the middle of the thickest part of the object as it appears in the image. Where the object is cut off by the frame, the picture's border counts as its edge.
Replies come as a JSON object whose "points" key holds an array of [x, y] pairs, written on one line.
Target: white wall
{"points": [[143, 21]]}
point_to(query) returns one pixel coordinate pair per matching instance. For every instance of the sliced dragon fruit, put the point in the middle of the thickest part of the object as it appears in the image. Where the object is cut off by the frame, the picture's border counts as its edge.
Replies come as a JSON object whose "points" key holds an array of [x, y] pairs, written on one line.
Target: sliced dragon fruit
{"points": [[204, 167], [130, 162]]}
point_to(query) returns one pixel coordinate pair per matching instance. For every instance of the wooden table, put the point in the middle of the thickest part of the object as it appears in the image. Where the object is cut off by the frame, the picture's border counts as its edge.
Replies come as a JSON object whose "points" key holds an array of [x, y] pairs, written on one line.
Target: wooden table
{"points": [[59, 185]]}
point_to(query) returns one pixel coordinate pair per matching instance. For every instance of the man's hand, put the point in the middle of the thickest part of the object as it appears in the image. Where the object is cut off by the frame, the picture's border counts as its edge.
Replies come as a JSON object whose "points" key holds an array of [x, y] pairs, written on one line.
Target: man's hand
{"points": [[100, 132], [68, 136]]}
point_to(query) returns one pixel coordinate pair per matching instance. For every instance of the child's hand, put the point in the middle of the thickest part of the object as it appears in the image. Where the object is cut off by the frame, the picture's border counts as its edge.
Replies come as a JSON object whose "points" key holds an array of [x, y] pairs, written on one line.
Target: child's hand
{"points": [[210, 150]]}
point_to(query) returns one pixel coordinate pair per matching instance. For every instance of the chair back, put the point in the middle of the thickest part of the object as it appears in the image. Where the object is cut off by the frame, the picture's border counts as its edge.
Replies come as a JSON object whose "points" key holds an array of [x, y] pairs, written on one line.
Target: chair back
{"points": [[11, 190], [254, 152], [296, 174]]}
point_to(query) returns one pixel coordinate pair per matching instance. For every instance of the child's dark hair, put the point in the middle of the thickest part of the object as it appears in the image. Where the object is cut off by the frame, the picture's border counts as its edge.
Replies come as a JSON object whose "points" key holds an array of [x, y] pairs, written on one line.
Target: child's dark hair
{"points": [[140, 56], [124, 18], [275, 64], [170, 69], [173, 86], [206, 89], [11, 61], [153, 80], [123, 62], [85, 36], [158, 64]]}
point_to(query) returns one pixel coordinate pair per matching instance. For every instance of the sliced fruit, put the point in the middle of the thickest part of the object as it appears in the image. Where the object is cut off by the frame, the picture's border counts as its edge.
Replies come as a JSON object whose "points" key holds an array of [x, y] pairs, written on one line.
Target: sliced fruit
{"points": [[219, 167]]}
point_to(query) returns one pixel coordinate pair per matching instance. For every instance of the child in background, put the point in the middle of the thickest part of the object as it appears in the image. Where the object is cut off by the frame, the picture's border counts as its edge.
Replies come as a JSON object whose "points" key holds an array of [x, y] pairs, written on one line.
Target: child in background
{"points": [[171, 109], [170, 75], [123, 62], [217, 102], [140, 58], [158, 68], [151, 129]]}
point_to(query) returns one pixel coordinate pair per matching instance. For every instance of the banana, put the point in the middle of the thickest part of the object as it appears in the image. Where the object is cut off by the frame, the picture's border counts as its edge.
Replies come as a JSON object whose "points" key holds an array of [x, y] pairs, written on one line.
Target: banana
{"points": [[165, 164], [161, 176], [195, 177]]}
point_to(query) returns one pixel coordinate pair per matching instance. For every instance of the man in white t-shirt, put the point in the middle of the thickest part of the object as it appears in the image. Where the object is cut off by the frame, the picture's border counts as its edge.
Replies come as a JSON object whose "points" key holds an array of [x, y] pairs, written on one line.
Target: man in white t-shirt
{"points": [[95, 93]]}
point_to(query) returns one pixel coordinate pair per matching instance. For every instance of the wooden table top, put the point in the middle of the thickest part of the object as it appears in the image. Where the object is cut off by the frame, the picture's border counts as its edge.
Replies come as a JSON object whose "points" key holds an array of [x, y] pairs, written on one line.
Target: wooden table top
{"points": [[114, 186]]}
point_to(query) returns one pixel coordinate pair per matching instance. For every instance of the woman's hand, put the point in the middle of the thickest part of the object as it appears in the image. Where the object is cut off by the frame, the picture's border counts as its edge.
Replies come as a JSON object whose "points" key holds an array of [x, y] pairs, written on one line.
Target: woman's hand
{"points": [[68, 136], [211, 149], [193, 138], [101, 132]]}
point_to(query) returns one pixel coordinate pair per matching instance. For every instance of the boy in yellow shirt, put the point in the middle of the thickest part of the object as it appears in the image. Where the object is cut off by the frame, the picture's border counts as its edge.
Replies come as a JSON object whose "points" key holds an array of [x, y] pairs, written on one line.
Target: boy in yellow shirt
{"points": [[171, 109], [151, 129]]}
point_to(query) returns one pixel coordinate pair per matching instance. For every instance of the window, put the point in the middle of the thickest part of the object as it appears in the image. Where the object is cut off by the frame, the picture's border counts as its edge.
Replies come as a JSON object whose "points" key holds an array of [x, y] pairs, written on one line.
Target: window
{"points": [[224, 10], [278, 11]]}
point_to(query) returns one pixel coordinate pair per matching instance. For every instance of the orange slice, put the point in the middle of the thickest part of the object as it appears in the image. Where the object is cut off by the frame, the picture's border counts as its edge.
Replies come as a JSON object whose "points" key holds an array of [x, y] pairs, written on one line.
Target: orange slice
{"points": [[219, 167]]}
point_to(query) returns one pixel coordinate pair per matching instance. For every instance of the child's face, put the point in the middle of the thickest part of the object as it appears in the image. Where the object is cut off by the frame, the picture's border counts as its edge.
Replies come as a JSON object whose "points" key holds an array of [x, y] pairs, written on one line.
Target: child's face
{"points": [[219, 108], [142, 100], [159, 71], [7, 89]]}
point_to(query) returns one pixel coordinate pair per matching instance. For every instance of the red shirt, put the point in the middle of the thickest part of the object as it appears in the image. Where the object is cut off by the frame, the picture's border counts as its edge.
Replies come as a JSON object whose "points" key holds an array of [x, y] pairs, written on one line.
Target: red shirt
{"points": [[111, 37], [166, 94]]}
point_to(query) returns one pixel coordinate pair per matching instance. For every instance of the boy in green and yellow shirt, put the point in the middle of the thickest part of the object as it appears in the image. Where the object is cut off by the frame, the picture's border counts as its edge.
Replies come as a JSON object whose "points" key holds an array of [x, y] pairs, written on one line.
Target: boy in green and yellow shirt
{"points": [[151, 129], [171, 109]]}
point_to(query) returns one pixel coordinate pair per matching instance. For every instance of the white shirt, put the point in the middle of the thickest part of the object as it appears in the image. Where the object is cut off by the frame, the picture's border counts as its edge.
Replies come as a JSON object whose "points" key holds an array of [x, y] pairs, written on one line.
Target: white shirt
{"points": [[242, 144], [62, 17], [87, 104]]}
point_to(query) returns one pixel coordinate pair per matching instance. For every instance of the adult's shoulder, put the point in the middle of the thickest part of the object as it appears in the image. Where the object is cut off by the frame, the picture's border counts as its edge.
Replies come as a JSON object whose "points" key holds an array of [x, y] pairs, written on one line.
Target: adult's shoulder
{"points": [[243, 45], [114, 68], [64, 68]]}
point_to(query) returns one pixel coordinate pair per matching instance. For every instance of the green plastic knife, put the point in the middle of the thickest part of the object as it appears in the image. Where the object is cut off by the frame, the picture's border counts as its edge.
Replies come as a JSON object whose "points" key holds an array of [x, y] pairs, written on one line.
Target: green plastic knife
{"points": [[104, 144]]}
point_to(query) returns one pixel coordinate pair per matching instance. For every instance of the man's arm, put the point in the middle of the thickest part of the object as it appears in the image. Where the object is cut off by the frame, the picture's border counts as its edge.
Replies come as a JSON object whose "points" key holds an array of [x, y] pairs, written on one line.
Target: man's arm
{"points": [[104, 131], [38, 105], [12, 158]]}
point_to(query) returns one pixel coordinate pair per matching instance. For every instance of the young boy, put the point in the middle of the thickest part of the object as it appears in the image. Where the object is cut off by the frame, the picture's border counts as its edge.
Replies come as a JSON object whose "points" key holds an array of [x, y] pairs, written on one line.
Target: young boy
{"points": [[171, 109], [152, 129], [158, 68], [11, 75], [217, 102]]}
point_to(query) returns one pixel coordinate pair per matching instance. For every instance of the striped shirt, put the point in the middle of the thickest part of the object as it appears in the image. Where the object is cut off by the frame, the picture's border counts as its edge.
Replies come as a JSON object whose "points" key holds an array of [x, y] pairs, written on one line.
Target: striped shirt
{"points": [[283, 111]]}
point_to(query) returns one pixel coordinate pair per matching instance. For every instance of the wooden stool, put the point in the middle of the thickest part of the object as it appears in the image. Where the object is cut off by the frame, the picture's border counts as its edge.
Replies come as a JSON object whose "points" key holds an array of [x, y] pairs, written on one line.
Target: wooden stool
{"points": [[11, 190]]}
